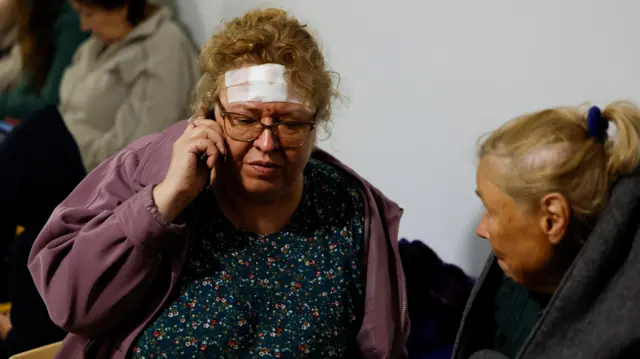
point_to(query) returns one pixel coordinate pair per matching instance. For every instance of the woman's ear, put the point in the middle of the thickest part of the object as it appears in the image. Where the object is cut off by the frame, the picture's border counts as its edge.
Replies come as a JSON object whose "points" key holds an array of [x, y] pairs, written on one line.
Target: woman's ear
{"points": [[555, 216]]}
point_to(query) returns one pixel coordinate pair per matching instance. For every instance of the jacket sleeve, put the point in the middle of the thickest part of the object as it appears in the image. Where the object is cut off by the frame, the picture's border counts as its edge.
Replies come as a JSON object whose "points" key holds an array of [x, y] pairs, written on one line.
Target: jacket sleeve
{"points": [[101, 249], [159, 96], [20, 101]]}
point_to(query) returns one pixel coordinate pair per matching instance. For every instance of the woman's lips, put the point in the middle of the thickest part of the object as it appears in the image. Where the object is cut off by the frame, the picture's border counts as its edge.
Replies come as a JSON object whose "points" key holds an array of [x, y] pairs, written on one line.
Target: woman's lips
{"points": [[264, 168]]}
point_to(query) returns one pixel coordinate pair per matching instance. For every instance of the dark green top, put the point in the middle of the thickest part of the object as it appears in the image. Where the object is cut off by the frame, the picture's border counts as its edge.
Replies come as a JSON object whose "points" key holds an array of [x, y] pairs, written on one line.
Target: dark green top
{"points": [[516, 312], [22, 100], [291, 294]]}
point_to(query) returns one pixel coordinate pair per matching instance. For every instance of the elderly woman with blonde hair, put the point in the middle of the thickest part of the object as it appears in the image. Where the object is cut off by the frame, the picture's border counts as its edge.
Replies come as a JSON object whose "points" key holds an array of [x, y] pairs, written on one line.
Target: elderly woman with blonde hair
{"points": [[562, 215], [231, 234]]}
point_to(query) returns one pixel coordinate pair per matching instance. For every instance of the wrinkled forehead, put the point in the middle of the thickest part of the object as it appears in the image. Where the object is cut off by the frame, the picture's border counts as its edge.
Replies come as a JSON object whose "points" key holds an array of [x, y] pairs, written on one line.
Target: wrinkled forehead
{"points": [[260, 85], [492, 172]]}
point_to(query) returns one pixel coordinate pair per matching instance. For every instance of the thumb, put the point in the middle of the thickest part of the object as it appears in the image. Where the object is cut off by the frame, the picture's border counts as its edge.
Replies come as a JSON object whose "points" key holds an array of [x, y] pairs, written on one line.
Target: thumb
{"points": [[212, 175]]}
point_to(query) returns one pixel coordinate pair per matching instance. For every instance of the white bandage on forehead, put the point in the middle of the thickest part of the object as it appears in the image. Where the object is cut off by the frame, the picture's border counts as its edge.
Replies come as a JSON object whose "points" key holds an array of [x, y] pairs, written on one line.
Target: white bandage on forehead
{"points": [[260, 83]]}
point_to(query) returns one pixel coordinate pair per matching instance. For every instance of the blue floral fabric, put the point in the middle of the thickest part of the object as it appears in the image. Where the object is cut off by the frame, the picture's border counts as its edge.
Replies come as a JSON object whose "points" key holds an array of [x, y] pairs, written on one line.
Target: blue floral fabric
{"points": [[297, 293]]}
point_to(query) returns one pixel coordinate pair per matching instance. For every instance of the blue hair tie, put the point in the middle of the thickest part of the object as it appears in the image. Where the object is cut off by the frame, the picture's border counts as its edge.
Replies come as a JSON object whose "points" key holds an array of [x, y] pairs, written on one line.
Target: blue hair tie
{"points": [[597, 125]]}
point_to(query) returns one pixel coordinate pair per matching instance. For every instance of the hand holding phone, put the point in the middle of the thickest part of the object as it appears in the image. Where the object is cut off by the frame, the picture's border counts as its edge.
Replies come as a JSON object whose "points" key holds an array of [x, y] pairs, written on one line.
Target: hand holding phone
{"points": [[192, 167]]}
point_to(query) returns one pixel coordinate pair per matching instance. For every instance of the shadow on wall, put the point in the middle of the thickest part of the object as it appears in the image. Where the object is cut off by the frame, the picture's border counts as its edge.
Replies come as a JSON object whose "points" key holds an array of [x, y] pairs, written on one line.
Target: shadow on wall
{"points": [[479, 248]]}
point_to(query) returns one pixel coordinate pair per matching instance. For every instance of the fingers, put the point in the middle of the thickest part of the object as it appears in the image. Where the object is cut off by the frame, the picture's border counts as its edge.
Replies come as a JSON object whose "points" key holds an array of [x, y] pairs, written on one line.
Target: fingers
{"points": [[195, 122], [200, 146], [201, 121], [191, 125], [211, 162], [212, 174], [205, 138], [210, 133]]}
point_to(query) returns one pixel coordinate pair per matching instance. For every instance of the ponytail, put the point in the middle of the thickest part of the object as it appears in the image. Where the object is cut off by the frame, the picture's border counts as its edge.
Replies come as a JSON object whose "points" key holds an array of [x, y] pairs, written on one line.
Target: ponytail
{"points": [[623, 151]]}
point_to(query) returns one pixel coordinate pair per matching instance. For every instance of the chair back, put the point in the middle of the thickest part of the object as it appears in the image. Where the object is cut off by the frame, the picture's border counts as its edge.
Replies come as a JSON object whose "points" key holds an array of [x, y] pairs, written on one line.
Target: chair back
{"points": [[45, 352]]}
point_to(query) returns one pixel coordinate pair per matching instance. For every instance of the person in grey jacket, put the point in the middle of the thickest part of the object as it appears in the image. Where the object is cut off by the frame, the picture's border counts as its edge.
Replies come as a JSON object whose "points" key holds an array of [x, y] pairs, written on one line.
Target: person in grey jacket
{"points": [[133, 77], [562, 215]]}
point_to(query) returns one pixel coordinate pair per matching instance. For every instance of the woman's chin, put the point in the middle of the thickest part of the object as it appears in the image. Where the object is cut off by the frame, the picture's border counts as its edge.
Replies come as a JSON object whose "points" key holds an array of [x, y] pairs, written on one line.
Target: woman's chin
{"points": [[505, 269], [259, 187], [503, 265]]}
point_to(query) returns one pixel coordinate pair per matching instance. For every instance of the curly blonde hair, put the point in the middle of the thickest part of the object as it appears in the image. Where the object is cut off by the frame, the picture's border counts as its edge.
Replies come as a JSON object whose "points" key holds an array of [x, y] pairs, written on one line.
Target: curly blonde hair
{"points": [[267, 36], [552, 151]]}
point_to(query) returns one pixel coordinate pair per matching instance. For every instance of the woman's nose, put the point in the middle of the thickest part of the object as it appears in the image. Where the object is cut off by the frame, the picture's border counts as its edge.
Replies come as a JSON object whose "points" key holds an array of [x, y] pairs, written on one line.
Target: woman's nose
{"points": [[266, 141], [481, 230]]}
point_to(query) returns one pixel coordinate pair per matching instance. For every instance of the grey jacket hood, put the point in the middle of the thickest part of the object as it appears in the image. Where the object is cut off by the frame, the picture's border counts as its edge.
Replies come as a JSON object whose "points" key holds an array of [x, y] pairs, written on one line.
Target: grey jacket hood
{"points": [[594, 313]]}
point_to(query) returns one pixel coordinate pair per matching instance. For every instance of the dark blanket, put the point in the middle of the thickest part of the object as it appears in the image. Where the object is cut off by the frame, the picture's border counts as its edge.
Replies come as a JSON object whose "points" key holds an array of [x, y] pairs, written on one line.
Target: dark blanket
{"points": [[437, 293], [594, 313]]}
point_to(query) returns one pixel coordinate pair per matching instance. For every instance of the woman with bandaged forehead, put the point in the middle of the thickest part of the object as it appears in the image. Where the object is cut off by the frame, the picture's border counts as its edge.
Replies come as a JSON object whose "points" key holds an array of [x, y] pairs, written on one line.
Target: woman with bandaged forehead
{"points": [[230, 234]]}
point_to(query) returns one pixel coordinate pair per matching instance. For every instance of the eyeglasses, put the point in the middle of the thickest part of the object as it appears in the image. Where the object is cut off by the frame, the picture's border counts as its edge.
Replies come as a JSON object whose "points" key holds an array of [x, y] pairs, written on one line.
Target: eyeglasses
{"points": [[288, 134]]}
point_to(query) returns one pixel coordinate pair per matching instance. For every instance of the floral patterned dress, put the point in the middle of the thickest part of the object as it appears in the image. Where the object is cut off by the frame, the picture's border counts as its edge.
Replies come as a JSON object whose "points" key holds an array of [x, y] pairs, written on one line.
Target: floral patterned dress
{"points": [[297, 293]]}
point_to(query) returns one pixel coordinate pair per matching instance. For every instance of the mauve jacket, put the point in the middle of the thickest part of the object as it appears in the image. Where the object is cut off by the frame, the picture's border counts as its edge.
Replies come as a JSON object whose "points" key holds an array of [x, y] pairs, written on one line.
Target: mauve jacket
{"points": [[107, 262]]}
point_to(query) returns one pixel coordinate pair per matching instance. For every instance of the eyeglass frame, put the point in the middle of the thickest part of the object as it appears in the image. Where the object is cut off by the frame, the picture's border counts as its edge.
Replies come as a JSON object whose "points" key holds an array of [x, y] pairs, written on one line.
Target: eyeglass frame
{"points": [[224, 112]]}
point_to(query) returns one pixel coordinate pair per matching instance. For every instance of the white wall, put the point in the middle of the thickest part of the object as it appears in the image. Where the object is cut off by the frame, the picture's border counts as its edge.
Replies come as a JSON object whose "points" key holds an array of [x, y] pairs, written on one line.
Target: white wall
{"points": [[427, 78]]}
